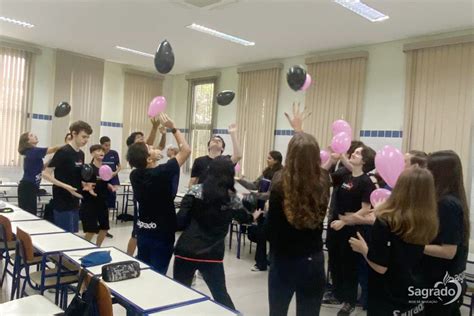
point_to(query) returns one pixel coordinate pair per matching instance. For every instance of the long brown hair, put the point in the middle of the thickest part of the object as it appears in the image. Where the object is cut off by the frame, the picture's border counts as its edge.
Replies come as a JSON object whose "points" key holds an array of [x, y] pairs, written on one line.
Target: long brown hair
{"points": [[410, 211], [304, 184], [446, 168], [23, 143]]}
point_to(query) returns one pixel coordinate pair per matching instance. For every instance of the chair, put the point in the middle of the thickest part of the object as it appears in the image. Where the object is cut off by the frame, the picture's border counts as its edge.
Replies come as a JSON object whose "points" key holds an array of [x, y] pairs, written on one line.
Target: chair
{"points": [[7, 244], [25, 258]]}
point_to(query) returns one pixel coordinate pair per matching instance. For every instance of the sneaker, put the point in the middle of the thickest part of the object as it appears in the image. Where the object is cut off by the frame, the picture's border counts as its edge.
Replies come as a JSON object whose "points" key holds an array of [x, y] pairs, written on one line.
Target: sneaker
{"points": [[255, 268], [330, 299], [346, 310], [109, 235]]}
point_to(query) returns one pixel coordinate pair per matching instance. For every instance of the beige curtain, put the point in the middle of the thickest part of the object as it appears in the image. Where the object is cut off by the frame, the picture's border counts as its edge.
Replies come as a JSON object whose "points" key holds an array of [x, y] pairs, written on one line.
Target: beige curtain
{"points": [[337, 92], [139, 91], [79, 81], [15, 79], [439, 100], [256, 116]]}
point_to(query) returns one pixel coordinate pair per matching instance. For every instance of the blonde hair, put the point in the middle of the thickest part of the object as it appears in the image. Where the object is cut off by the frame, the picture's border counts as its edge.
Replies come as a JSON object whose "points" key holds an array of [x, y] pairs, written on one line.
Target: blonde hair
{"points": [[411, 210]]}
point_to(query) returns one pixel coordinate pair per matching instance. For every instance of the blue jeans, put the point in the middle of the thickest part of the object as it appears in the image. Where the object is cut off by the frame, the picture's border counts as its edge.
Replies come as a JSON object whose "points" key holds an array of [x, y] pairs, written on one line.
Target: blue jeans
{"points": [[301, 275], [156, 251], [67, 220]]}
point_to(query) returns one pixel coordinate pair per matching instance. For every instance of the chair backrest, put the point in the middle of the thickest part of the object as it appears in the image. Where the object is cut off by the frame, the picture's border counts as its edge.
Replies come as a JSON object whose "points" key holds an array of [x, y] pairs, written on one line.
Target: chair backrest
{"points": [[6, 226], [25, 244], [103, 297]]}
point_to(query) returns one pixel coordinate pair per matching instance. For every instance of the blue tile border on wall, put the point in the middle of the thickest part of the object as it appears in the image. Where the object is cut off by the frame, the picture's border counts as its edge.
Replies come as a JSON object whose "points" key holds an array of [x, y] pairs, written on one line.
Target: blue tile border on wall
{"points": [[37, 116], [110, 124], [381, 133]]}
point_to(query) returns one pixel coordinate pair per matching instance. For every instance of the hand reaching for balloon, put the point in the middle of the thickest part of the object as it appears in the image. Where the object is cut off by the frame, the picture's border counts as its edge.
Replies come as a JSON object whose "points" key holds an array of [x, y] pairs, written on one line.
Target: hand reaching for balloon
{"points": [[359, 245], [232, 129], [155, 122], [298, 117], [166, 120]]}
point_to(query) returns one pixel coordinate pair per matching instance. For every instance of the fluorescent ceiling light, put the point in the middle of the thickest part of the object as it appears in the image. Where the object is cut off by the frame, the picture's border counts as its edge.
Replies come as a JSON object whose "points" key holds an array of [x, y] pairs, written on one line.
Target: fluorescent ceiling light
{"points": [[363, 10], [215, 33], [125, 49], [21, 23]]}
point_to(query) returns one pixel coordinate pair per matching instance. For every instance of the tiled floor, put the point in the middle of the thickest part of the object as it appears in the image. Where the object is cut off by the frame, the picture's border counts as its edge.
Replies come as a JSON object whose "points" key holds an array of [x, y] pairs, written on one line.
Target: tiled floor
{"points": [[248, 289]]}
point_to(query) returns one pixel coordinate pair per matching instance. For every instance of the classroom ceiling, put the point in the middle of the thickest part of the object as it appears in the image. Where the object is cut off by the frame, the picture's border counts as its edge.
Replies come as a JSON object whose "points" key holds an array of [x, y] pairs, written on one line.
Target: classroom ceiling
{"points": [[279, 28]]}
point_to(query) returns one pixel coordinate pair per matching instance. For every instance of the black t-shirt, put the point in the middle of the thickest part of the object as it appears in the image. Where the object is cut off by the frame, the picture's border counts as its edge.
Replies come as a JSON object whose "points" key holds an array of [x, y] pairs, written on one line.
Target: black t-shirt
{"points": [[67, 163], [152, 189], [390, 291], [451, 232], [99, 201], [200, 167], [337, 175], [352, 191]]}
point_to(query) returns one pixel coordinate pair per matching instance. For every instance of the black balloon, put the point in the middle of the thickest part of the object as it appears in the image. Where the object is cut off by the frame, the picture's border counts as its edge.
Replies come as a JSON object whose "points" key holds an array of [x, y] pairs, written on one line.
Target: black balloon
{"points": [[225, 97], [62, 109], [296, 77], [164, 58], [87, 172]]}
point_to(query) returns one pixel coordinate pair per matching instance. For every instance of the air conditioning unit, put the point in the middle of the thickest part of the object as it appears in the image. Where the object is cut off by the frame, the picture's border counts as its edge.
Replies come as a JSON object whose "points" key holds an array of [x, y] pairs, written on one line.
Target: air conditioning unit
{"points": [[205, 4]]}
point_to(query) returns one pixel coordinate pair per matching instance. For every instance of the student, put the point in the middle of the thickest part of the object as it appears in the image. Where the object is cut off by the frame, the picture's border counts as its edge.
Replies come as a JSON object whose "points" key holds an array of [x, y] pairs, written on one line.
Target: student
{"points": [[152, 189], [66, 165], [32, 170], [111, 159], [262, 184], [211, 207], [138, 137], [416, 157], [94, 209], [215, 147], [352, 199], [298, 201], [404, 224], [446, 256]]}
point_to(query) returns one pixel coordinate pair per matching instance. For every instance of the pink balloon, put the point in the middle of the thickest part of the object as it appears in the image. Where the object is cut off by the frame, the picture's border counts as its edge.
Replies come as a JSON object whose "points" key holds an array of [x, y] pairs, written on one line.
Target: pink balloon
{"points": [[237, 168], [379, 196], [341, 143], [389, 163], [157, 105], [324, 156], [307, 83], [341, 126], [105, 173]]}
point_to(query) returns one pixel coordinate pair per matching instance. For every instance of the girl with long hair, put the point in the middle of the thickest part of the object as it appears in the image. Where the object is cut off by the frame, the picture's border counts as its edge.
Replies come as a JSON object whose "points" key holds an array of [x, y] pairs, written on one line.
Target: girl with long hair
{"points": [[404, 224], [212, 206], [298, 201], [446, 256], [32, 170]]}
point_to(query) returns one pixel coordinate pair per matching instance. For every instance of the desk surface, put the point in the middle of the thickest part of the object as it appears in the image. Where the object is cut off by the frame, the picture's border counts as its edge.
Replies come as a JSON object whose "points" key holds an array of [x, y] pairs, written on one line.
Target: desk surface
{"points": [[36, 227], [206, 308], [152, 291], [18, 214], [30, 305], [60, 242], [116, 255]]}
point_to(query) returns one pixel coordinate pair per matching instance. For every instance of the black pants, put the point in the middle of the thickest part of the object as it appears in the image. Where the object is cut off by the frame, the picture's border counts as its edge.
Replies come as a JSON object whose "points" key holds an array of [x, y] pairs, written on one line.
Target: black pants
{"points": [[345, 265], [213, 274], [301, 275], [330, 245], [27, 195], [261, 241]]}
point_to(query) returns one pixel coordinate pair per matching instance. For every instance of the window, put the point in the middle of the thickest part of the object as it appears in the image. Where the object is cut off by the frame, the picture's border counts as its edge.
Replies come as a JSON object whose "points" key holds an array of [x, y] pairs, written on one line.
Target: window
{"points": [[201, 119], [14, 93]]}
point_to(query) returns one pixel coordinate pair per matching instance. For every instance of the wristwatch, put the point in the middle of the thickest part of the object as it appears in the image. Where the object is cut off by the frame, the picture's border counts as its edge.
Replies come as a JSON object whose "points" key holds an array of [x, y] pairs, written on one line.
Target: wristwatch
{"points": [[174, 130]]}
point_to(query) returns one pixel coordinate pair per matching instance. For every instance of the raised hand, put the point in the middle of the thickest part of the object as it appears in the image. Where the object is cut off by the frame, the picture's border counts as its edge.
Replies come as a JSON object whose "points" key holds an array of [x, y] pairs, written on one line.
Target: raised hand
{"points": [[299, 116], [232, 128], [166, 120]]}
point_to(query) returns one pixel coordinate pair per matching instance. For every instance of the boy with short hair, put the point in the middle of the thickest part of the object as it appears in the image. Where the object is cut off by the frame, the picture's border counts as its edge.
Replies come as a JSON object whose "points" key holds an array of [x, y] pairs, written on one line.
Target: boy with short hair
{"points": [[152, 188], [94, 204], [66, 165]]}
